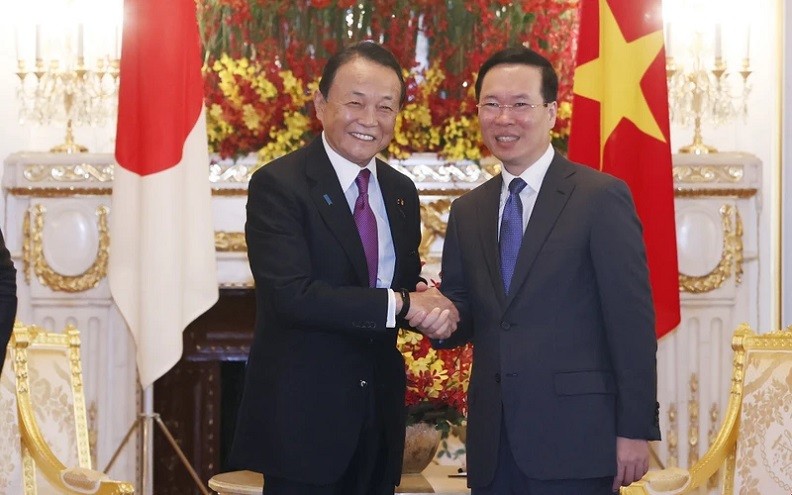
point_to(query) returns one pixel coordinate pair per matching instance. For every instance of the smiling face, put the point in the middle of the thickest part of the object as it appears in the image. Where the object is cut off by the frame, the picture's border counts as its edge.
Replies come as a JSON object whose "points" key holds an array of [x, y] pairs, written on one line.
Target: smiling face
{"points": [[359, 113], [516, 137]]}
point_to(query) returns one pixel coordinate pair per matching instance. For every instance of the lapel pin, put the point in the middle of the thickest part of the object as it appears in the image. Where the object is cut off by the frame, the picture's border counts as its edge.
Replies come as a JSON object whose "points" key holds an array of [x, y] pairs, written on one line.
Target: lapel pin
{"points": [[327, 199], [400, 202]]}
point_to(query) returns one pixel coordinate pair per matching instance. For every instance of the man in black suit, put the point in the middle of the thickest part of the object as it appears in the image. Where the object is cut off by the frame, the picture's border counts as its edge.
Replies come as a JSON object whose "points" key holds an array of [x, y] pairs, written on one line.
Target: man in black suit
{"points": [[546, 265], [8, 297], [332, 236]]}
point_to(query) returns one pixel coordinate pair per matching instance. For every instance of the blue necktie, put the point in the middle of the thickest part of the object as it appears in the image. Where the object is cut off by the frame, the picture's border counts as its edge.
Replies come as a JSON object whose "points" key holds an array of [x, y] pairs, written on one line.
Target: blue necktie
{"points": [[511, 231]]}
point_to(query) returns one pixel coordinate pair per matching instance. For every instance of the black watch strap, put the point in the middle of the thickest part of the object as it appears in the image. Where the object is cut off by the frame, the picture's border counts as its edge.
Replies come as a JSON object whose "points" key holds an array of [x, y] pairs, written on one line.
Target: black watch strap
{"points": [[405, 303]]}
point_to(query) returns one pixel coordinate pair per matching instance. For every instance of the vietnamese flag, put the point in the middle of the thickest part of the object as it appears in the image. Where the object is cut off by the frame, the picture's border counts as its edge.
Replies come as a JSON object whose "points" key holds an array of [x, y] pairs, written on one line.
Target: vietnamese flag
{"points": [[620, 125], [162, 266]]}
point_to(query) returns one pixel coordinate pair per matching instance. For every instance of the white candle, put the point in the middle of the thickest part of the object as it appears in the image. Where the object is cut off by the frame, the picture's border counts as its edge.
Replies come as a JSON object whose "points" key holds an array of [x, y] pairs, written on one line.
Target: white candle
{"points": [[80, 41], [718, 53], [38, 42], [748, 42], [117, 43], [668, 39]]}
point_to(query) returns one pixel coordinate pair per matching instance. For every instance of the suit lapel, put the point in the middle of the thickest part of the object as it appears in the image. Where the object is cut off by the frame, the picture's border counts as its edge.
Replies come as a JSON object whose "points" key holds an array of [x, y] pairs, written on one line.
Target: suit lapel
{"points": [[553, 196], [488, 230], [394, 204], [332, 206]]}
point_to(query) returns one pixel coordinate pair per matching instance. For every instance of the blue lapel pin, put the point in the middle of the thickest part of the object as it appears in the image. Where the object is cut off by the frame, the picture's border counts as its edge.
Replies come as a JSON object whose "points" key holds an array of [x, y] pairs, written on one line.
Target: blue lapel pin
{"points": [[327, 199]]}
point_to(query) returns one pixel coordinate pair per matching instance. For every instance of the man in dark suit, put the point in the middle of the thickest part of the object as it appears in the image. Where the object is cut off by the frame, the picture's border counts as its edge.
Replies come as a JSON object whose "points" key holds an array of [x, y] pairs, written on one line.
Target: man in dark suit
{"points": [[546, 265], [332, 236], [8, 297]]}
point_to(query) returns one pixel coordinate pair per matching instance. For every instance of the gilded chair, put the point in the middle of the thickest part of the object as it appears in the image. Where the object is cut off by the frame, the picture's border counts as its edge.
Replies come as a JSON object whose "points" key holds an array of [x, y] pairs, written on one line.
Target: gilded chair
{"points": [[51, 413], [237, 483], [752, 453]]}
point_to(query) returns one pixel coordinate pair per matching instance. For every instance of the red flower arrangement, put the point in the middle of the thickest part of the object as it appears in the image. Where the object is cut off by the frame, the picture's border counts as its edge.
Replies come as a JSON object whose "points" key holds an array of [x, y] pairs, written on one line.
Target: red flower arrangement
{"points": [[287, 42], [437, 381]]}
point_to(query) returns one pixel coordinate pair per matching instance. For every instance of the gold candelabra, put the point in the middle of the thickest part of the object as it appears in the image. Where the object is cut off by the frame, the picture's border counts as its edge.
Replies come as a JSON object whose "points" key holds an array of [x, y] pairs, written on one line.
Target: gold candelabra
{"points": [[70, 93], [715, 94]]}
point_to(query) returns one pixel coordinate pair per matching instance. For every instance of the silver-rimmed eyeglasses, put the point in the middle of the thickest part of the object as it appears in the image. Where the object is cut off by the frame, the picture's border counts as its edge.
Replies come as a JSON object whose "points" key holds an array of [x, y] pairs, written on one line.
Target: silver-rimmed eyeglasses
{"points": [[519, 108]]}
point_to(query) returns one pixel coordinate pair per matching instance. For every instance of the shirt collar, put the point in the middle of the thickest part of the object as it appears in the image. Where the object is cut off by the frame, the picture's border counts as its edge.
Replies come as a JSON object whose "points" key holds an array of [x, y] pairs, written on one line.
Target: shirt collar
{"points": [[533, 175], [344, 169]]}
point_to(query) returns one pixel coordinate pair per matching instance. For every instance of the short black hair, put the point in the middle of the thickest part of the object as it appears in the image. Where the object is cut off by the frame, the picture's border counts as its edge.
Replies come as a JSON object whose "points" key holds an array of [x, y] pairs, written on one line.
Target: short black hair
{"points": [[364, 49], [521, 55]]}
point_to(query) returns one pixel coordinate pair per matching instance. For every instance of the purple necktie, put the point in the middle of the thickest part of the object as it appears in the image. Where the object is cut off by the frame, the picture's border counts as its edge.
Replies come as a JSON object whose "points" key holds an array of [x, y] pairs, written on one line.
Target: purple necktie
{"points": [[367, 225], [511, 231]]}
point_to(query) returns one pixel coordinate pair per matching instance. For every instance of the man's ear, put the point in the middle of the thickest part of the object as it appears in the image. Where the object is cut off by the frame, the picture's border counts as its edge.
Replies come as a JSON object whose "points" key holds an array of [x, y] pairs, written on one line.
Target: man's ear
{"points": [[319, 104]]}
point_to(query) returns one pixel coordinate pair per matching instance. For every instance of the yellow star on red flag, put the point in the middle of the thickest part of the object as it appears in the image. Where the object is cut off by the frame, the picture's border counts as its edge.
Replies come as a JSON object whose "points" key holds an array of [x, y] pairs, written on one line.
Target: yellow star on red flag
{"points": [[614, 78]]}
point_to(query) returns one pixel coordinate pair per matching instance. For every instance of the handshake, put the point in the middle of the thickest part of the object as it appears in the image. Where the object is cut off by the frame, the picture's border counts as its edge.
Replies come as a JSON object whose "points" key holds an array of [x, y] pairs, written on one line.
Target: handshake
{"points": [[431, 313]]}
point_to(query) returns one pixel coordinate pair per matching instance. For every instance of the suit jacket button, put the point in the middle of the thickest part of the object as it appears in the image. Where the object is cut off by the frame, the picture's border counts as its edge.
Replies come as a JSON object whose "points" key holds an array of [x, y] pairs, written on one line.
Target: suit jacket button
{"points": [[363, 383], [497, 377], [505, 325]]}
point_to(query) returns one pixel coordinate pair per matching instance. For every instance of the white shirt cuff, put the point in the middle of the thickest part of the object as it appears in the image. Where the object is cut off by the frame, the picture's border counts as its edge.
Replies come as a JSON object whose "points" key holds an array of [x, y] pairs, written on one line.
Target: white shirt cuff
{"points": [[391, 320]]}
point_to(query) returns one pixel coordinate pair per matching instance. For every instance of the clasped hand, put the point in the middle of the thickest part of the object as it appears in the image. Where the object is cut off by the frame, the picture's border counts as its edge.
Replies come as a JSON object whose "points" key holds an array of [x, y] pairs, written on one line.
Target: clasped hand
{"points": [[431, 313]]}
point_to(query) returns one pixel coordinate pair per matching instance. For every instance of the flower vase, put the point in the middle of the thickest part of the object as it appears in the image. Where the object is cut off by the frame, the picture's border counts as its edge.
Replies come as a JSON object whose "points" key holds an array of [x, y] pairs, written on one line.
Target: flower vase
{"points": [[421, 441]]}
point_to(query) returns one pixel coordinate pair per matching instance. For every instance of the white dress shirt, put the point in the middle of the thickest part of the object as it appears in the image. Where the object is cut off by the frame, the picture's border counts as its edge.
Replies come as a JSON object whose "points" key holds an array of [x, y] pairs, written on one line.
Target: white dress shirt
{"points": [[533, 176], [347, 172]]}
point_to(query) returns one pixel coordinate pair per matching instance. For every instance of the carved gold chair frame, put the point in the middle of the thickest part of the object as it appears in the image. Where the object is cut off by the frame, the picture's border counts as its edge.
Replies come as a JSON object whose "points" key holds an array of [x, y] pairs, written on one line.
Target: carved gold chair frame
{"points": [[761, 367], [37, 455]]}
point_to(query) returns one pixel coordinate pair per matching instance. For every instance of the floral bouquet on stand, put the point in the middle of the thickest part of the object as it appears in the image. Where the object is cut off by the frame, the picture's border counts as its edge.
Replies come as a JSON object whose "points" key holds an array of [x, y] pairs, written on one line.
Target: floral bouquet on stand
{"points": [[436, 398], [437, 381]]}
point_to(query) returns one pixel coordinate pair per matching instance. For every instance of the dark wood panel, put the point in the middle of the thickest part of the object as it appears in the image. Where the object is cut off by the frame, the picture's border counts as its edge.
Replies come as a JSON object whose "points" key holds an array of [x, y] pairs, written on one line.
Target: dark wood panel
{"points": [[197, 399]]}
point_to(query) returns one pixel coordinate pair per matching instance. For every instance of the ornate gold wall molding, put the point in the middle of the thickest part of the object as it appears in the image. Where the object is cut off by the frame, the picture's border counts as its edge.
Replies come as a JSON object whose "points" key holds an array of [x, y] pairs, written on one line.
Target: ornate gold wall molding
{"points": [[225, 191], [731, 257], [705, 173], [33, 255], [433, 224], [680, 192], [81, 172], [59, 192], [234, 172], [672, 437], [693, 418], [233, 242]]}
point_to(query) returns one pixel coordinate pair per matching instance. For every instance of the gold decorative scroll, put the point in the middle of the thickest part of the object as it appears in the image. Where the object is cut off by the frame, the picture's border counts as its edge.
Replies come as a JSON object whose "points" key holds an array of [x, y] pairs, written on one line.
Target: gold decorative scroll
{"points": [[26, 247], [225, 191], [433, 223], [672, 437], [680, 192], [234, 172], [731, 257], [463, 172], [59, 192], [693, 417], [699, 174], [89, 279], [233, 242], [82, 172]]}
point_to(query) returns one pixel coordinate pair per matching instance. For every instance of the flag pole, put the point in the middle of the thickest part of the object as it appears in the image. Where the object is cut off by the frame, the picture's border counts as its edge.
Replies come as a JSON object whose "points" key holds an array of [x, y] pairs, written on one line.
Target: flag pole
{"points": [[147, 472], [147, 417]]}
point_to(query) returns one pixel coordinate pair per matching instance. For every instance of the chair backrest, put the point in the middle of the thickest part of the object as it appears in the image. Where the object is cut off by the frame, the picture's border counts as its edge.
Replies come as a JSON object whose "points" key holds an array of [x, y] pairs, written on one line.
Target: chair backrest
{"points": [[10, 447], [52, 418], [762, 460]]}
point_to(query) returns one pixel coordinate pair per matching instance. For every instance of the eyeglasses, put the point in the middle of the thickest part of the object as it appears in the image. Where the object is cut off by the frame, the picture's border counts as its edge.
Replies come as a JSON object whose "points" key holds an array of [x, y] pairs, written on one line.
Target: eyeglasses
{"points": [[519, 108]]}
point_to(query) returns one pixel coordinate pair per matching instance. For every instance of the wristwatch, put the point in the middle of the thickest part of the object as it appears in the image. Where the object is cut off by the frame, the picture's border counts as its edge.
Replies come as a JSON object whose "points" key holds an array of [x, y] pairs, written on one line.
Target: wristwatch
{"points": [[405, 294]]}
